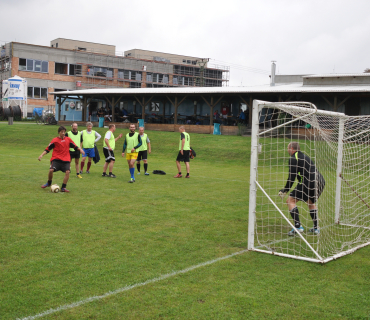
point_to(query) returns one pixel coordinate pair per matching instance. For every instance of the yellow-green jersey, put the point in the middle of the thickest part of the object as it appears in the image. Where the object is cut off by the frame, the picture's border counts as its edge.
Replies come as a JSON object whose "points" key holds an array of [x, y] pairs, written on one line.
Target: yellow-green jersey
{"points": [[76, 138], [186, 136], [111, 140], [132, 141], [88, 138], [145, 141]]}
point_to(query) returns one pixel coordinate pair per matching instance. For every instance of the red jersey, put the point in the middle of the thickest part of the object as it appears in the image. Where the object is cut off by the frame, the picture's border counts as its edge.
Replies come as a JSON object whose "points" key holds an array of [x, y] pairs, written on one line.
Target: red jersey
{"points": [[61, 149]]}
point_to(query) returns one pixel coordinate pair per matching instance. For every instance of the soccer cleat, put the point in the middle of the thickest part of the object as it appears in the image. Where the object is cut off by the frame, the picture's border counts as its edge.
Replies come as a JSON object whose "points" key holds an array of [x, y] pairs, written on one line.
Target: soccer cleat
{"points": [[87, 171], [138, 172], [79, 176], [104, 175], [314, 231], [187, 176], [64, 190], [293, 232], [146, 173], [178, 176], [111, 175], [45, 185], [132, 180]]}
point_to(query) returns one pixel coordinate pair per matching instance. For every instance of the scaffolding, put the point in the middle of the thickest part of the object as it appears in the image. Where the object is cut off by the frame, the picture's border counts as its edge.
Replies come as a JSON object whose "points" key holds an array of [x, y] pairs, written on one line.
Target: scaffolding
{"points": [[97, 69]]}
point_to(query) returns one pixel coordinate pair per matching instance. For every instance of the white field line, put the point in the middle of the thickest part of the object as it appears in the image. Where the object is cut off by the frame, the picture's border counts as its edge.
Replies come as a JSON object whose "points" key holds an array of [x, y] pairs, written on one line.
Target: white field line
{"points": [[127, 288]]}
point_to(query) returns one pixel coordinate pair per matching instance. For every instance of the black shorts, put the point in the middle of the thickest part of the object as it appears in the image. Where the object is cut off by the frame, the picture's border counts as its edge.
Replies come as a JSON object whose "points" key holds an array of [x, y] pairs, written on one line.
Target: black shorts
{"points": [[75, 154], [184, 157], [59, 165], [109, 155], [311, 191], [143, 155]]}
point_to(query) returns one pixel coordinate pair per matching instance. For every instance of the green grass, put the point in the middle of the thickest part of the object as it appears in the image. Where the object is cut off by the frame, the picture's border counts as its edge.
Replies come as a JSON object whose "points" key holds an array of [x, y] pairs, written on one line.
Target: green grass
{"points": [[106, 234]]}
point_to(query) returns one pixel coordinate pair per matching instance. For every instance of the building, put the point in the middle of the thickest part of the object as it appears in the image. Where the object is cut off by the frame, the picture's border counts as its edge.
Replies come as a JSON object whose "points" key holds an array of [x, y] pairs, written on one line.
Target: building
{"points": [[73, 65], [165, 108]]}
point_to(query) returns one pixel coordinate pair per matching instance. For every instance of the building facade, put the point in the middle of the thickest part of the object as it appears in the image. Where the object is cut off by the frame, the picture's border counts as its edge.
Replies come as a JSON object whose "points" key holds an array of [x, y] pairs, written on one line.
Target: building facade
{"points": [[73, 65]]}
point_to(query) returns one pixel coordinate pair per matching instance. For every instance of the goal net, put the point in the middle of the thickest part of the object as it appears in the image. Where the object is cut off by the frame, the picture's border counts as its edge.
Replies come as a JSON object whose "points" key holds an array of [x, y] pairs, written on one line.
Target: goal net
{"points": [[339, 147]]}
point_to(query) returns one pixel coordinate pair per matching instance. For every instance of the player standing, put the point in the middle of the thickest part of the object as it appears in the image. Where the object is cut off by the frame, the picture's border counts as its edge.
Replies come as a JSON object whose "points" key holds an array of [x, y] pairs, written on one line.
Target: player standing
{"points": [[108, 149], [143, 151], [89, 138], [184, 153], [310, 185], [76, 137], [131, 144], [60, 159]]}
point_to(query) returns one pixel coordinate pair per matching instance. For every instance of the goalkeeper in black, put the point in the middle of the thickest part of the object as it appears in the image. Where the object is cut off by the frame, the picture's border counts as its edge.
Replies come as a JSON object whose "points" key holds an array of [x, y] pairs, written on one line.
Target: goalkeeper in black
{"points": [[310, 185]]}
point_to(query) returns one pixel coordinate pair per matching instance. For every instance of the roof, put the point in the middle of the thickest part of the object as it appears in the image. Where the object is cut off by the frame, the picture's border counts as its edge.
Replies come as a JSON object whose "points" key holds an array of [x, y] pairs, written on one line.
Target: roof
{"points": [[337, 75], [289, 88]]}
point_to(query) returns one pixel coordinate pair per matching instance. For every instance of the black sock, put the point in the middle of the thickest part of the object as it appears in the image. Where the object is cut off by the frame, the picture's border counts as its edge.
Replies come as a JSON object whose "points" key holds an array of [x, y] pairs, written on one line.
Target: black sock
{"points": [[110, 172], [145, 167], [77, 173], [313, 214], [49, 182], [63, 185], [138, 167], [295, 216], [179, 172], [187, 174]]}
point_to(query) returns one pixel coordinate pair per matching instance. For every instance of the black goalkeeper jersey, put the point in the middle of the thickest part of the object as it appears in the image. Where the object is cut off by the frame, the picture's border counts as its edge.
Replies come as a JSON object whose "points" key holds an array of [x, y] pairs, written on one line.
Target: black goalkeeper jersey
{"points": [[302, 168]]}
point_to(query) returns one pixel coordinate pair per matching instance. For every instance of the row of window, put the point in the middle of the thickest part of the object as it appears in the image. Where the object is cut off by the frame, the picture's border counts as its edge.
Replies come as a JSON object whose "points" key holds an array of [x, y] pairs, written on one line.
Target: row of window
{"points": [[75, 69], [37, 93], [33, 65]]}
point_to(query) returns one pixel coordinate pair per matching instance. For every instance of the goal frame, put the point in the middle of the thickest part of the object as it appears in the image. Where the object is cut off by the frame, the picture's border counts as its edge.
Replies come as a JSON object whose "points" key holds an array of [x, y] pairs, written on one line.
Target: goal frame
{"points": [[258, 105]]}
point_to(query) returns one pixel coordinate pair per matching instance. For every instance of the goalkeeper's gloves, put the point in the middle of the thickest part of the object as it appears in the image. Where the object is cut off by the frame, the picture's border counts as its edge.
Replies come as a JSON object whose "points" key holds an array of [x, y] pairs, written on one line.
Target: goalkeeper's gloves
{"points": [[282, 194]]}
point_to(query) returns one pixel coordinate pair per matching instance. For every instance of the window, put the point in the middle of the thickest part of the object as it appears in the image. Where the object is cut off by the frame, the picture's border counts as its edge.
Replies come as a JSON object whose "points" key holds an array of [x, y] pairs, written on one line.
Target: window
{"points": [[66, 106], [82, 49], [22, 64], [149, 77], [44, 66], [61, 68], [135, 84], [29, 65], [33, 65], [37, 93], [175, 81], [154, 107]]}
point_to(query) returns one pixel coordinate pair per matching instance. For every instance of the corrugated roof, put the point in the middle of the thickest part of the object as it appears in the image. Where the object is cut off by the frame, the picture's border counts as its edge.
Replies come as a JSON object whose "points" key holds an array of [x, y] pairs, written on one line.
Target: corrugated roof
{"points": [[290, 88]]}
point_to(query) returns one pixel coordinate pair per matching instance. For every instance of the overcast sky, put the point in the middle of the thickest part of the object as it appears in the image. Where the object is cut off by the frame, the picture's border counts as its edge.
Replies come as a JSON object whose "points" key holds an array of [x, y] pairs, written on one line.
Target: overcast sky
{"points": [[304, 37]]}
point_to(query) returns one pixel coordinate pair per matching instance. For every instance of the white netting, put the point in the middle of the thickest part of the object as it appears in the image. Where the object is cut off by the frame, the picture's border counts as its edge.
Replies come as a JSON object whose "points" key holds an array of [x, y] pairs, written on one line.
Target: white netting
{"points": [[341, 156]]}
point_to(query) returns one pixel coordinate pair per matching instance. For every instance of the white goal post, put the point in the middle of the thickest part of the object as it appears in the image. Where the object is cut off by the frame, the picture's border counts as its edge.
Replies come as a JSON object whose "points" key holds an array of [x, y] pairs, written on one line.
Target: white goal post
{"points": [[339, 149]]}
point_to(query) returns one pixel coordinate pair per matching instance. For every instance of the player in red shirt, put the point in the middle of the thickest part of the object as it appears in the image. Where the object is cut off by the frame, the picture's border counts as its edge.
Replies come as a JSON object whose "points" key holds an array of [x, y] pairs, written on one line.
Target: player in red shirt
{"points": [[60, 159]]}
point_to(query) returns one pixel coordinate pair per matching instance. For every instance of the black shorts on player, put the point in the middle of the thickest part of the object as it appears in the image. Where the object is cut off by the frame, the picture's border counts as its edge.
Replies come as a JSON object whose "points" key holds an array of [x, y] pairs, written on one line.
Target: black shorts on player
{"points": [[75, 154], [109, 155], [184, 157], [143, 155], [304, 192], [59, 165]]}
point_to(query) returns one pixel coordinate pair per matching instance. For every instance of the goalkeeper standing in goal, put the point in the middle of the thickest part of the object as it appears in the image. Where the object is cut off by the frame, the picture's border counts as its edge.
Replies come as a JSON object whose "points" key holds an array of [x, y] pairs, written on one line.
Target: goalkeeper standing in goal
{"points": [[310, 185]]}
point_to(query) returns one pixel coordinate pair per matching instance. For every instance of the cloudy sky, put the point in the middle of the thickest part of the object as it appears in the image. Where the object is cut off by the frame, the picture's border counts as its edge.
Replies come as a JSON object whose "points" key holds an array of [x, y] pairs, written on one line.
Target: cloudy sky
{"points": [[303, 36]]}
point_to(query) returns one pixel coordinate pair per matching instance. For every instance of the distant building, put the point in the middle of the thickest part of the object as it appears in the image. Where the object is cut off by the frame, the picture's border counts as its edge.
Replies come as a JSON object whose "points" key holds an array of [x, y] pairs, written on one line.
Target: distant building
{"points": [[73, 65]]}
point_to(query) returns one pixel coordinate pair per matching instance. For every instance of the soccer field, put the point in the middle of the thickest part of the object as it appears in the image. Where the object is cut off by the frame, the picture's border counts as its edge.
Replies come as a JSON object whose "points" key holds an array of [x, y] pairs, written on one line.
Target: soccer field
{"points": [[161, 248]]}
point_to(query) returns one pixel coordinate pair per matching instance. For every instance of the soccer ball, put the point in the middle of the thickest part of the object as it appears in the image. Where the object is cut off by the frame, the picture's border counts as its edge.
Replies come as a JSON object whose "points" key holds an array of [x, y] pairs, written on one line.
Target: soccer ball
{"points": [[54, 188]]}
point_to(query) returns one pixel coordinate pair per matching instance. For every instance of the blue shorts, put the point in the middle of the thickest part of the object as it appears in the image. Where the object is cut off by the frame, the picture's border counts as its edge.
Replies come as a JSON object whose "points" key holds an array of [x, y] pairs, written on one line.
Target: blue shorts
{"points": [[90, 152]]}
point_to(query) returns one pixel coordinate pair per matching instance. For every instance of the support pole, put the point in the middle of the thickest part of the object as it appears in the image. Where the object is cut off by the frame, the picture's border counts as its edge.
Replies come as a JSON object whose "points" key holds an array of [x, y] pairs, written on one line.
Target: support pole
{"points": [[339, 170], [253, 176]]}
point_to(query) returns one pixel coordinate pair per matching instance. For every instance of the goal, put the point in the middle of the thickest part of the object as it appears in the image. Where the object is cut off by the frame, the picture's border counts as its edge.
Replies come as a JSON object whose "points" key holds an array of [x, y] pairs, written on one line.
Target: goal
{"points": [[339, 146]]}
